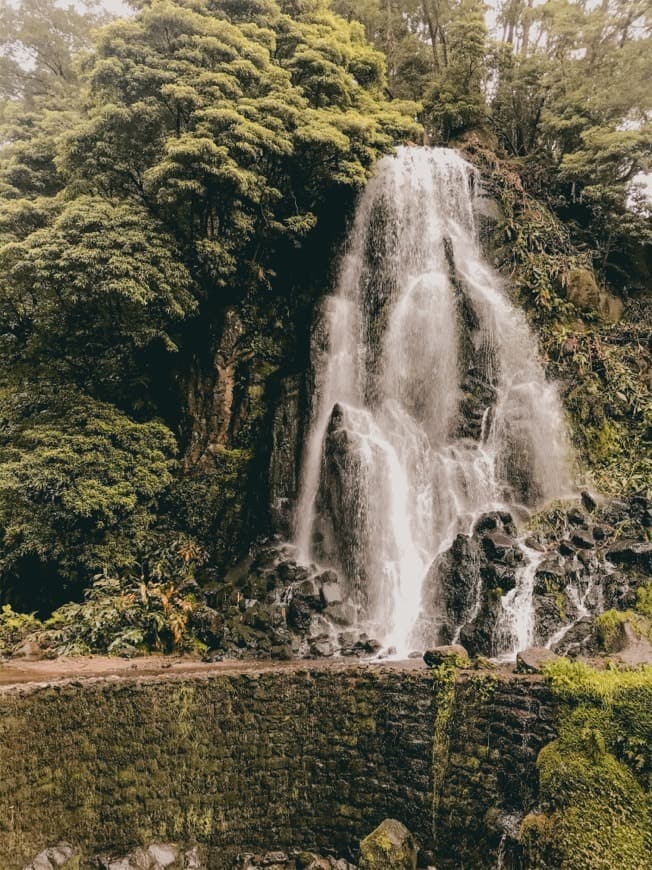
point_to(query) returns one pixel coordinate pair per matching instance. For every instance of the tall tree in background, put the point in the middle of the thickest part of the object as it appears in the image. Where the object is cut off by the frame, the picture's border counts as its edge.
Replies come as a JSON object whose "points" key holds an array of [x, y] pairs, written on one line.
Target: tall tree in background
{"points": [[573, 95]]}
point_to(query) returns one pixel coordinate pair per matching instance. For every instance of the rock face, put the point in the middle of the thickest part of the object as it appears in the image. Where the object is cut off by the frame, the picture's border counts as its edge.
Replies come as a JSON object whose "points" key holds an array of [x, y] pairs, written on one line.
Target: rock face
{"points": [[285, 456], [390, 847], [581, 568]]}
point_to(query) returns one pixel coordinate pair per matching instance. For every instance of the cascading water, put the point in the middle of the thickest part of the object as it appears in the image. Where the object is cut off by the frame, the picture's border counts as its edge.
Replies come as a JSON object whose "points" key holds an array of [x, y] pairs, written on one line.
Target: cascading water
{"points": [[430, 406]]}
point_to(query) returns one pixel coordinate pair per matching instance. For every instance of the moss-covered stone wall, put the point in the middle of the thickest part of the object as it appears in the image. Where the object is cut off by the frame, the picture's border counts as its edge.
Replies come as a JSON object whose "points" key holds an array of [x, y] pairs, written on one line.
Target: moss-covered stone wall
{"points": [[260, 760], [488, 774], [311, 758]]}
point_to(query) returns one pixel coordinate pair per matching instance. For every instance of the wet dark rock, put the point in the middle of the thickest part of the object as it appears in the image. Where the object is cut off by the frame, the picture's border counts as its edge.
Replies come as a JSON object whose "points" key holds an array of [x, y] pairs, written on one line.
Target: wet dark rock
{"points": [[583, 539], [452, 583], [341, 614], [450, 654], [566, 548], [533, 660], [590, 504], [390, 847], [284, 458], [477, 636], [500, 547], [579, 640], [576, 517], [616, 512], [551, 575], [641, 510], [306, 600], [487, 523], [633, 554], [498, 576], [550, 615]]}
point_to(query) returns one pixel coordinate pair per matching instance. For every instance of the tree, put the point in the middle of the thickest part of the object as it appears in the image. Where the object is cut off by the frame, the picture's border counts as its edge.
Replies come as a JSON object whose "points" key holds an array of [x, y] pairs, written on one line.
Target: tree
{"points": [[39, 43], [148, 184], [79, 484]]}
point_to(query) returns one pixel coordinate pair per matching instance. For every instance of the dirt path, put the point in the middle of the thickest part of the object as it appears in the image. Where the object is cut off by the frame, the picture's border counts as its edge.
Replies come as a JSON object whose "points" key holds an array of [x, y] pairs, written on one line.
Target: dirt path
{"points": [[82, 668]]}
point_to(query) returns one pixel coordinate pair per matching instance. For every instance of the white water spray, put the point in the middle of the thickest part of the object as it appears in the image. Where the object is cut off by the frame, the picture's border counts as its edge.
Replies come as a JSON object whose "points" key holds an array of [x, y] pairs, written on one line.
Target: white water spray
{"points": [[391, 470]]}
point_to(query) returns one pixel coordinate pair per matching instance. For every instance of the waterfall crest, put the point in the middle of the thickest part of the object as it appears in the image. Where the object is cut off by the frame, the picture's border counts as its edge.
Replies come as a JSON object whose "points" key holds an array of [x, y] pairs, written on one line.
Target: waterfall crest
{"points": [[430, 405]]}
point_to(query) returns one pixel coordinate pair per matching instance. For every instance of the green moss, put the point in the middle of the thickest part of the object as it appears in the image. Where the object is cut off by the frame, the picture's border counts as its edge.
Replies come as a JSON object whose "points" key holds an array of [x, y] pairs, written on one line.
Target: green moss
{"points": [[444, 687], [595, 778]]}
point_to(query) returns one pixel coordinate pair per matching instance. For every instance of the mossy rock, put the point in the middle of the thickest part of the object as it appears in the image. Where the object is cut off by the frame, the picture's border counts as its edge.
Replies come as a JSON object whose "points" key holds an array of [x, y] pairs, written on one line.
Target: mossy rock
{"points": [[390, 847], [584, 292]]}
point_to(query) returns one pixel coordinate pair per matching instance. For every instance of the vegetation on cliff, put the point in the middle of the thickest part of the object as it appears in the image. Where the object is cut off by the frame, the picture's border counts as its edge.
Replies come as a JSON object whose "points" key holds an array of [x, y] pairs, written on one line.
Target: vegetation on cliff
{"points": [[147, 183], [173, 188]]}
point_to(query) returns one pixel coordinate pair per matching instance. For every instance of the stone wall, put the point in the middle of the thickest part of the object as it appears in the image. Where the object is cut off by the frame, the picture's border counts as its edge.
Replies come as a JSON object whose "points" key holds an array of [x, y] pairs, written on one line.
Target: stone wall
{"points": [[489, 780], [260, 760], [312, 758]]}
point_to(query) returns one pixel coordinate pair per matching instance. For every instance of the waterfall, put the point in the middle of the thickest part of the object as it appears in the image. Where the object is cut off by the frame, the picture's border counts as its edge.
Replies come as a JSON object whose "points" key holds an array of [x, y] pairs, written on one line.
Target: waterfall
{"points": [[430, 406]]}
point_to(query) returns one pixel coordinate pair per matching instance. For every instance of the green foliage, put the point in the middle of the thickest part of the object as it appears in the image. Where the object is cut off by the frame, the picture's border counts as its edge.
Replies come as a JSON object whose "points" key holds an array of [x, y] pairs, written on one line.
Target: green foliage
{"points": [[597, 352], [79, 484], [595, 778], [38, 45], [212, 504], [14, 628], [147, 182], [455, 101], [608, 396], [124, 617], [89, 292], [572, 94]]}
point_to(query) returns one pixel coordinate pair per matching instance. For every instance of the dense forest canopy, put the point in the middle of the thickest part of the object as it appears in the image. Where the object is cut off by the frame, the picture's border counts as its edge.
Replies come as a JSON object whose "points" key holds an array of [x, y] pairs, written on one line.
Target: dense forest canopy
{"points": [[157, 170]]}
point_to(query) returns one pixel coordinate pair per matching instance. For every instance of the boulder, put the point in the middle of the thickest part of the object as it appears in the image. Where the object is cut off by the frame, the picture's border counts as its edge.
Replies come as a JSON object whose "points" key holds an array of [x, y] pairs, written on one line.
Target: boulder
{"points": [[501, 547], [451, 654], [550, 575], [29, 650], [341, 614], [158, 856], [390, 847], [305, 601], [332, 592], [61, 855], [583, 539], [634, 554], [566, 548], [532, 661], [576, 517], [590, 504], [579, 640], [487, 522], [163, 854]]}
